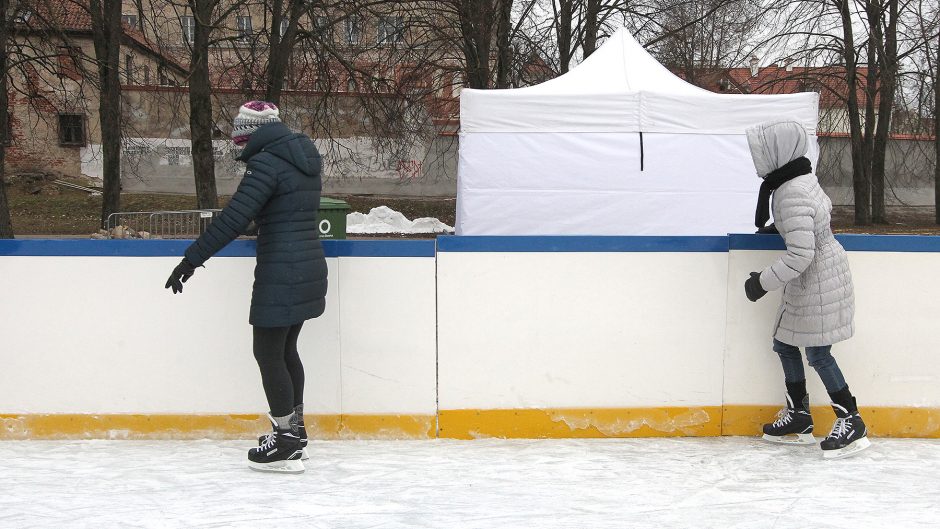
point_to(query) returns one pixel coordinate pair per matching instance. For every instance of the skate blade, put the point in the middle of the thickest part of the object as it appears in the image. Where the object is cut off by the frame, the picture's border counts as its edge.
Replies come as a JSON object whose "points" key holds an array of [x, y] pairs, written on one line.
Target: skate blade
{"points": [[800, 439], [848, 451], [293, 466]]}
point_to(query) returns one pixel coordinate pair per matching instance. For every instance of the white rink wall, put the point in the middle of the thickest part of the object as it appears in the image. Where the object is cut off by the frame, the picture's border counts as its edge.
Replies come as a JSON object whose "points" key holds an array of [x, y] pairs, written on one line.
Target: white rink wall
{"points": [[892, 360], [531, 328], [421, 328], [100, 334]]}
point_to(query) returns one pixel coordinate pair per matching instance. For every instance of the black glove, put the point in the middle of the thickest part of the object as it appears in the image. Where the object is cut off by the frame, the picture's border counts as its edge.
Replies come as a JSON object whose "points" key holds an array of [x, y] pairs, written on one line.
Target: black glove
{"points": [[770, 228], [180, 275], [752, 287]]}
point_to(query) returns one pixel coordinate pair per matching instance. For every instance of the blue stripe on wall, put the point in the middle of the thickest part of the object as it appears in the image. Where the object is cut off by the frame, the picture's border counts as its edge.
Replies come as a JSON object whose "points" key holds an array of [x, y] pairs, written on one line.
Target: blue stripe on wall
{"points": [[851, 242], [175, 248], [581, 244], [380, 248], [427, 247]]}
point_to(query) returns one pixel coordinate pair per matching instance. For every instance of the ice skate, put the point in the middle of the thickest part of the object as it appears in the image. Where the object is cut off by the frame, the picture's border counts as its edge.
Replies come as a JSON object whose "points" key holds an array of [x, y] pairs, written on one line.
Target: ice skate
{"points": [[279, 451], [794, 425], [849, 435], [303, 438]]}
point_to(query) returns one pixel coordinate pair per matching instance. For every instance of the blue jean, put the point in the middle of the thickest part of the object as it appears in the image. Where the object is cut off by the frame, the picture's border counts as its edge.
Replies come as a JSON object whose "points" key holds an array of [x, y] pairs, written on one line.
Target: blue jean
{"points": [[820, 358]]}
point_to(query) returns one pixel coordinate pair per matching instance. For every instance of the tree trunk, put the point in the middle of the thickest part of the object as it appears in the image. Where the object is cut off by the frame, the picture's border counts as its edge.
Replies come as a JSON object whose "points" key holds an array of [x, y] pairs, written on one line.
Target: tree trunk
{"points": [[936, 132], [475, 30], [200, 107], [563, 34], [6, 226], [860, 181], [279, 52], [887, 62], [107, 31], [503, 43], [591, 27]]}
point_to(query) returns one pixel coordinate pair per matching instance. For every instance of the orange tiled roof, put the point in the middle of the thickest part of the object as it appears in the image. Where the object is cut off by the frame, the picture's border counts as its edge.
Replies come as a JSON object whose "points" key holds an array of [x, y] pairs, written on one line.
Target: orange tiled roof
{"points": [[829, 81]]}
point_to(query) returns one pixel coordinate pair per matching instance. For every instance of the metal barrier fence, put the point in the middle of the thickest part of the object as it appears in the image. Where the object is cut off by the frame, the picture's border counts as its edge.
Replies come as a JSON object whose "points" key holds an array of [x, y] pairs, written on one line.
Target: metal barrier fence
{"points": [[163, 224]]}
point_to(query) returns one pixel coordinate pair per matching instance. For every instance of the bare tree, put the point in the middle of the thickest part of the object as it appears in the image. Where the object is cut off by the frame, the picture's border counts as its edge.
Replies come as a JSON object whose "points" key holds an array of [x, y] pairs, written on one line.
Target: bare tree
{"points": [[6, 22], [107, 35], [200, 100]]}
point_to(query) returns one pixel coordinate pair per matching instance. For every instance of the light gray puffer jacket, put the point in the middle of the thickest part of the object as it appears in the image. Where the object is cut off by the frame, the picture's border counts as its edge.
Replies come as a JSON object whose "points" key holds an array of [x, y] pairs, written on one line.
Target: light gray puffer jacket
{"points": [[818, 303]]}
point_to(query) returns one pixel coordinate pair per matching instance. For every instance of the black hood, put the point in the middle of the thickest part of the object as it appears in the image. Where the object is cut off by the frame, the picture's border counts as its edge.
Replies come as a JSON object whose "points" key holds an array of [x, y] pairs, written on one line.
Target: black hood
{"points": [[291, 147]]}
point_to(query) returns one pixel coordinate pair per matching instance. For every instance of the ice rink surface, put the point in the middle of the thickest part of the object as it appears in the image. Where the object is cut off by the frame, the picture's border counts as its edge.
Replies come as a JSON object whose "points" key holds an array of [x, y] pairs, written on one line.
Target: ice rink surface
{"points": [[656, 483]]}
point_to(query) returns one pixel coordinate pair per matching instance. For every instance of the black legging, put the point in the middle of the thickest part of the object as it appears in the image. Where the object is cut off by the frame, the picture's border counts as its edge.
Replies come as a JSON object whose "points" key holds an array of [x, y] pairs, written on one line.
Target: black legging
{"points": [[282, 373]]}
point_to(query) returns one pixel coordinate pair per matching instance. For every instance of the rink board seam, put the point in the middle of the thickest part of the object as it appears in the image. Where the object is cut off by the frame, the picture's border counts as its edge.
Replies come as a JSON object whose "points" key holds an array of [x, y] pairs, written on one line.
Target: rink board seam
{"points": [[551, 423]]}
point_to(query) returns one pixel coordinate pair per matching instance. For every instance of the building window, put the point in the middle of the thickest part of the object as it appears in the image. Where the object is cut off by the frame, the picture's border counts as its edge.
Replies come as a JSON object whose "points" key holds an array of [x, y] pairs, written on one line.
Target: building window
{"points": [[129, 69], [391, 30], [322, 26], [68, 61], [72, 130], [353, 29], [189, 29], [146, 74], [351, 85], [130, 21], [244, 28]]}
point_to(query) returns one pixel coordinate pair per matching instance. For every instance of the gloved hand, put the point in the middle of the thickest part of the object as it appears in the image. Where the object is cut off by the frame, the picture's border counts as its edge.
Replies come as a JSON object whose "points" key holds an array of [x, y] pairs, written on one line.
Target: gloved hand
{"points": [[770, 228], [752, 288], [180, 275]]}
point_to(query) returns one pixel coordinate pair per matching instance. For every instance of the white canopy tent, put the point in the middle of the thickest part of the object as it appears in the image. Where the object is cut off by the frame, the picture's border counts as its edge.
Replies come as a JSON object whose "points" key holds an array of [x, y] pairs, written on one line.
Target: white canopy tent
{"points": [[617, 146]]}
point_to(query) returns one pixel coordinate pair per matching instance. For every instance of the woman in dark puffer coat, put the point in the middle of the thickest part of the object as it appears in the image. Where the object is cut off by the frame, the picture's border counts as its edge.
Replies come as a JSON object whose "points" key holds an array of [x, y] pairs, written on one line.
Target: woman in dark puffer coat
{"points": [[280, 192]]}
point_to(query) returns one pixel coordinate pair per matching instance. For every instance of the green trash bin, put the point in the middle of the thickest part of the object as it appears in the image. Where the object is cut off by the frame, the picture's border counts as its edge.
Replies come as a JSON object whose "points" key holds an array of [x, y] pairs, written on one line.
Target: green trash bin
{"points": [[332, 218]]}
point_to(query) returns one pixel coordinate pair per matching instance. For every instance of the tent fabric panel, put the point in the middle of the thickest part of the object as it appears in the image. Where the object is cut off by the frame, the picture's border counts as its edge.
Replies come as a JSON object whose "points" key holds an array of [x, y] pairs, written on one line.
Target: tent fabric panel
{"points": [[509, 111], [591, 184]]}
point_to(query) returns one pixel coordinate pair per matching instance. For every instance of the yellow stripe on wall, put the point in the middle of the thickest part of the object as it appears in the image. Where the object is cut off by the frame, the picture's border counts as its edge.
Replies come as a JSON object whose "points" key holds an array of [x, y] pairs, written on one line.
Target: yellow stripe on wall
{"points": [[120, 426], [880, 421], [467, 424], [564, 423]]}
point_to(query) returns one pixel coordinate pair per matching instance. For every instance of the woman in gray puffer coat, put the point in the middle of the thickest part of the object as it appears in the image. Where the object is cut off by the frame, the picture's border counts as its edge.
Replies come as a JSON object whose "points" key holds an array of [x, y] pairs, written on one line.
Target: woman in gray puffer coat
{"points": [[280, 192], [818, 302]]}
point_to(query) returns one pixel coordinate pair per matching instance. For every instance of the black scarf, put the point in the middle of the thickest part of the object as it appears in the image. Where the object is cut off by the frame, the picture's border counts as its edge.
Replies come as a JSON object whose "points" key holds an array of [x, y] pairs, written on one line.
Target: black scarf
{"points": [[772, 181]]}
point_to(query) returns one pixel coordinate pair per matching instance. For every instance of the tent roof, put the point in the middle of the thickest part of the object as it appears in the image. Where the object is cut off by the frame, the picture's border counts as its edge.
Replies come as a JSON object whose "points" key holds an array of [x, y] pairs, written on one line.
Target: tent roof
{"points": [[621, 88], [619, 65]]}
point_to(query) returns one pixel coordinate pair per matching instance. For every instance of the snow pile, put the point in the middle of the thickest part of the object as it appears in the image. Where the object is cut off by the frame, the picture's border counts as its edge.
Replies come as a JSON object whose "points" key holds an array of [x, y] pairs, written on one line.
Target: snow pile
{"points": [[386, 220]]}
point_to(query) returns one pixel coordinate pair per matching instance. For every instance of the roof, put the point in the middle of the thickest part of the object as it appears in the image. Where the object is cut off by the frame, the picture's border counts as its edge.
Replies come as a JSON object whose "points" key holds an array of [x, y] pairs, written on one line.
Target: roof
{"points": [[73, 16], [829, 81]]}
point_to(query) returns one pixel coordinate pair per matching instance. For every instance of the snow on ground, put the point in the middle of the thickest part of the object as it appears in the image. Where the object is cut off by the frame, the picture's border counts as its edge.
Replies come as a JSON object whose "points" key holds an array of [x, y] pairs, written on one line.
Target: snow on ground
{"points": [[656, 483], [386, 220]]}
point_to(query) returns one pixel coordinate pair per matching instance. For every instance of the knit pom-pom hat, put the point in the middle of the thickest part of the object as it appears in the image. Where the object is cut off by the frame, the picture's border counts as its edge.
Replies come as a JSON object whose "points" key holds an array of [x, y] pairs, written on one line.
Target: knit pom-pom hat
{"points": [[251, 116]]}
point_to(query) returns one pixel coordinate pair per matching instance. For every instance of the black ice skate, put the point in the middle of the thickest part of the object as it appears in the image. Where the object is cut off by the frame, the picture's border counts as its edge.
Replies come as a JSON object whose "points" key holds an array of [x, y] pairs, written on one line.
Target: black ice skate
{"points": [[794, 425], [848, 436], [303, 440], [279, 452]]}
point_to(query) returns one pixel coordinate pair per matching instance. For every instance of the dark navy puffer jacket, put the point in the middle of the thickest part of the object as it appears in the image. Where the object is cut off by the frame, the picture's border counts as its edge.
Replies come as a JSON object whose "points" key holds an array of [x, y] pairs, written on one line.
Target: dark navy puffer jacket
{"points": [[281, 193]]}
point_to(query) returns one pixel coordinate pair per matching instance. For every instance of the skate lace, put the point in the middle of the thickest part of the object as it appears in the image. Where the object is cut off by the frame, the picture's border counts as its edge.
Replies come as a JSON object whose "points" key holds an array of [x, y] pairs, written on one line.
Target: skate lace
{"points": [[784, 417], [269, 441], [840, 428]]}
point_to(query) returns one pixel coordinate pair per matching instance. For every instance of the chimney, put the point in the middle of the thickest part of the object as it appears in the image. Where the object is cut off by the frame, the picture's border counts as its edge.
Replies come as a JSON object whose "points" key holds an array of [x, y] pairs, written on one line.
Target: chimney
{"points": [[789, 65], [754, 68]]}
